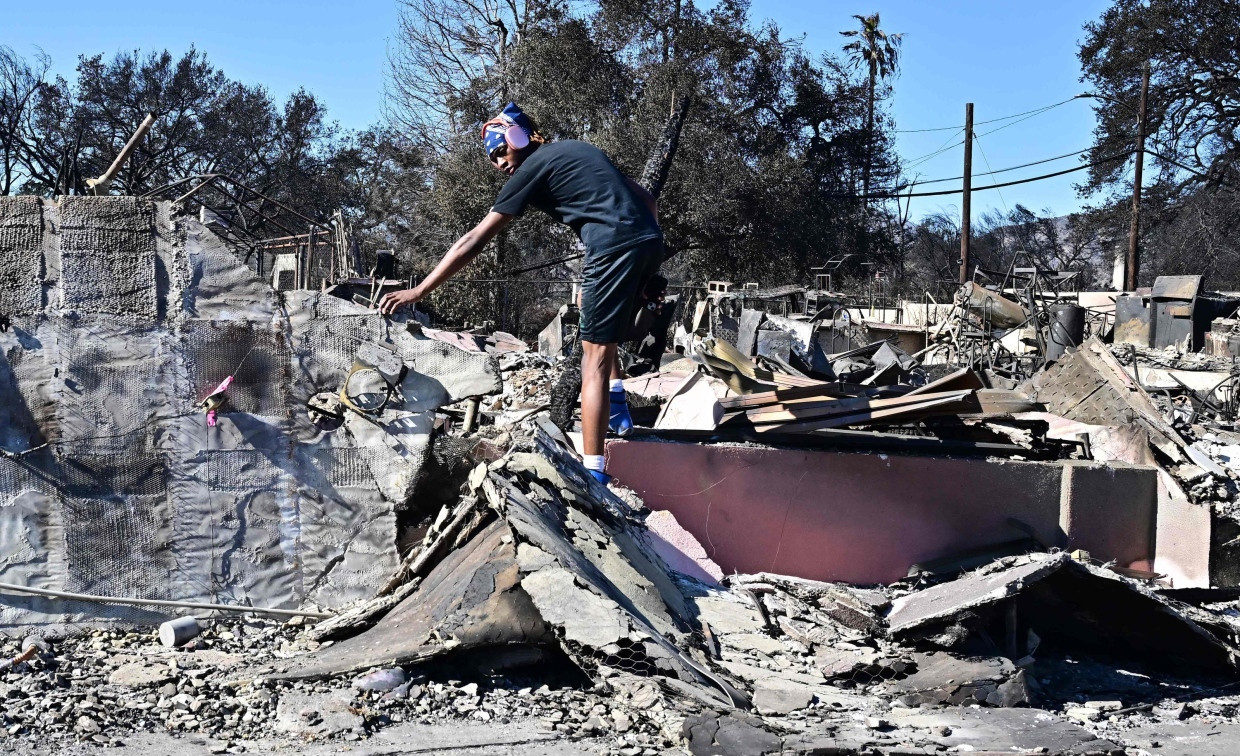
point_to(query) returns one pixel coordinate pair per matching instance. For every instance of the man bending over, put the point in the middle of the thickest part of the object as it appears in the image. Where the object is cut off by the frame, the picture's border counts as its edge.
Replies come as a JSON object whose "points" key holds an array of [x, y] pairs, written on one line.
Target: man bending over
{"points": [[616, 220]]}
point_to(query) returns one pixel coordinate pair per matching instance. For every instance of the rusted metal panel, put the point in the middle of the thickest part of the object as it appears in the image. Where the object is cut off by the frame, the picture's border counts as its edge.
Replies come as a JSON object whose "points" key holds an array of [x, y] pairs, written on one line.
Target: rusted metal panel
{"points": [[1177, 287], [1132, 321]]}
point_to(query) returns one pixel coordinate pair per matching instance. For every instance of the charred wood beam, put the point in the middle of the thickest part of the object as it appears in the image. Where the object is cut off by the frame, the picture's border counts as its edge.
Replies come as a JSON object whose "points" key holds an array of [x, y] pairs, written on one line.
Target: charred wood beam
{"points": [[654, 175]]}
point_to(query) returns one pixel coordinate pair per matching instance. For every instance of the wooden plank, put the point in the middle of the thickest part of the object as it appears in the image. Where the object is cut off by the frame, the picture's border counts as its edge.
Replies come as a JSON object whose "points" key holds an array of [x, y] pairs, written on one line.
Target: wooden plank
{"points": [[788, 413], [964, 378], [838, 405], [822, 390], [946, 405]]}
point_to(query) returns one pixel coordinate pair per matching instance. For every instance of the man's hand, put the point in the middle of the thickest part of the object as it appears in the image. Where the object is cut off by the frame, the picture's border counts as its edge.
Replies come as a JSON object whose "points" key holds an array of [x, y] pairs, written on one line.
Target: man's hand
{"points": [[465, 249], [394, 300]]}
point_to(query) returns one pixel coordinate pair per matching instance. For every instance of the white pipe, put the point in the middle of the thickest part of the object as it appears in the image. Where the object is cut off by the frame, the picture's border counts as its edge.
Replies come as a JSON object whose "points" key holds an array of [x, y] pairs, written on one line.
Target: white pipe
{"points": [[158, 602], [126, 151]]}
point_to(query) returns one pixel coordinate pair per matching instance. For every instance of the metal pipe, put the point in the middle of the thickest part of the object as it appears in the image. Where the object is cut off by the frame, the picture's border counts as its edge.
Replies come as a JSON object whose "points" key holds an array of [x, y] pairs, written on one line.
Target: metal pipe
{"points": [[100, 185], [471, 414], [159, 602], [277, 203], [240, 203], [194, 191]]}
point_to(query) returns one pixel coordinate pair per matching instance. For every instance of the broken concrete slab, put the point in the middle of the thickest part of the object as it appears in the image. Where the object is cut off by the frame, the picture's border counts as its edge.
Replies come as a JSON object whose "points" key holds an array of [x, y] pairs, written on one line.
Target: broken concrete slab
{"points": [[728, 614], [1176, 738], [316, 715], [763, 644], [594, 541], [588, 619], [141, 675], [564, 562], [944, 679], [1076, 604], [731, 734], [1003, 730], [776, 695]]}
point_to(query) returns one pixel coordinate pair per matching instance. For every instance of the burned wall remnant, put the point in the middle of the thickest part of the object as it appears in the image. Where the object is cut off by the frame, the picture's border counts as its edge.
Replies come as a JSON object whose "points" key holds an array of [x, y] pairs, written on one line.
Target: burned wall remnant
{"points": [[113, 482], [763, 508]]}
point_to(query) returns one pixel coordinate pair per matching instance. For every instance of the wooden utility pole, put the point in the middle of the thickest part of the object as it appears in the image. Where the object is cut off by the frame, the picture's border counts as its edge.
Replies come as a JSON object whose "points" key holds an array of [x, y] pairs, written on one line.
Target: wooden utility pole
{"points": [[965, 208], [1133, 267]]}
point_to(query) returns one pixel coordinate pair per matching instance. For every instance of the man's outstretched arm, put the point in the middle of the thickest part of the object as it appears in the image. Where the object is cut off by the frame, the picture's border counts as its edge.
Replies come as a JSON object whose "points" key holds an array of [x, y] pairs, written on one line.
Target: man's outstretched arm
{"points": [[465, 249]]}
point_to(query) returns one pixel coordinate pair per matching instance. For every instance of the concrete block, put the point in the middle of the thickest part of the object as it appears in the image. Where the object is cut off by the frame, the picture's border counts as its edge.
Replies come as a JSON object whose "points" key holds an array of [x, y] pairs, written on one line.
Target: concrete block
{"points": [[107, 256], [21, 255], [1109, 509]]}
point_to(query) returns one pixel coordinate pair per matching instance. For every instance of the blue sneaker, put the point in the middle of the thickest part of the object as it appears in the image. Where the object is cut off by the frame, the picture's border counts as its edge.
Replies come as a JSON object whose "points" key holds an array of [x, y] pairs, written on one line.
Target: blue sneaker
{"points": [[620, 422], [601, 477]]}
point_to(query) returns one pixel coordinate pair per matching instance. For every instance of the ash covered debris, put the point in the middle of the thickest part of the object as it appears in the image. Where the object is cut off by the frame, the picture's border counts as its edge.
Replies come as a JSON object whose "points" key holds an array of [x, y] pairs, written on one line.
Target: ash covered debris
{"points": [[537, 596], [824, 546], [115, 483]]}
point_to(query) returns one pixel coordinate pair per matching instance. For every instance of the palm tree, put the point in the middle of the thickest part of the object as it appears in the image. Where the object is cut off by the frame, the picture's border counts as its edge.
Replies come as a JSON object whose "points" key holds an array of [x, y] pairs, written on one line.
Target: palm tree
{"points": [[880, 52]]}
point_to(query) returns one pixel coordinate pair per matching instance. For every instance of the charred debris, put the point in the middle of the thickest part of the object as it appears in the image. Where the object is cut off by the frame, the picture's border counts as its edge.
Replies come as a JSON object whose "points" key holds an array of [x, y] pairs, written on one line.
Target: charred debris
{"points": [[239, 504]]}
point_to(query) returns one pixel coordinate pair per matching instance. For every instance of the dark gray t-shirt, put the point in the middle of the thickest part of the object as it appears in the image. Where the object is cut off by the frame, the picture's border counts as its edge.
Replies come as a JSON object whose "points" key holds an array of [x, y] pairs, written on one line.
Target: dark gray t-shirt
{"points": [[576, 184]]}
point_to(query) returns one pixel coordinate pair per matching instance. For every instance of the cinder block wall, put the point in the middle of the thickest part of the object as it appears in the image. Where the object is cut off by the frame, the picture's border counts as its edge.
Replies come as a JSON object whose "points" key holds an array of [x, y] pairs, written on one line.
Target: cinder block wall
{"points": [[866, 518], [123, 317]]}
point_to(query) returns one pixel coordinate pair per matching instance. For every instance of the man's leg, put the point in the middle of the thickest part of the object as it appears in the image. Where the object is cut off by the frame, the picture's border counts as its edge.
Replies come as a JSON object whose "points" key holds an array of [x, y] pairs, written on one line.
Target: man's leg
{"points": [[618, 419], [610, 285], [598, 361]]}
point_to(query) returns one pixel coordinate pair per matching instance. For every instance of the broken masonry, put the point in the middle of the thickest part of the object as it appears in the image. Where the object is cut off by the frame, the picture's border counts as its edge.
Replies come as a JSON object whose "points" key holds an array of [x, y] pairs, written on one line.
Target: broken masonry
{"points": [[975, 529]]}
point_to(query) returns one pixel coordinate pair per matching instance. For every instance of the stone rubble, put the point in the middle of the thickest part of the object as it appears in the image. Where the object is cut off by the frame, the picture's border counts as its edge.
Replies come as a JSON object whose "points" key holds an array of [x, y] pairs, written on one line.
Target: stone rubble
{"points": [[818, 662], [102, 686]]}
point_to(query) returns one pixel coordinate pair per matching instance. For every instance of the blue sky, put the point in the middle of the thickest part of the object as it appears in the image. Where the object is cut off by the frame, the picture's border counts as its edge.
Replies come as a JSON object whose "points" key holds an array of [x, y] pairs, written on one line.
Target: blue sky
{"points": [[1006, 57]]}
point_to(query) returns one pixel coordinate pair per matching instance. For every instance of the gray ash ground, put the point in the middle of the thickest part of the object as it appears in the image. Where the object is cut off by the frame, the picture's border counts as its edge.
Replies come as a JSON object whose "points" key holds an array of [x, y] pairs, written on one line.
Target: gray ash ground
{"points": [[104, 686]]}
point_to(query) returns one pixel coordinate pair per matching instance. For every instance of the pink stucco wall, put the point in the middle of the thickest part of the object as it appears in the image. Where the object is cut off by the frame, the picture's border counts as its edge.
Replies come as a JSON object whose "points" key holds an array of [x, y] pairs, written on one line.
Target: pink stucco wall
{"points": [[866, 518]]}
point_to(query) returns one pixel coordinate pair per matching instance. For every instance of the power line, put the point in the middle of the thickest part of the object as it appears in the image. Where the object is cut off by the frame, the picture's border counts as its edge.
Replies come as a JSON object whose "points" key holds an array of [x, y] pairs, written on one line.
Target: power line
{"points": [[1035, 111], [1013, 123], [1103, 161], [902, 187], [942, 148], [991, 173]]}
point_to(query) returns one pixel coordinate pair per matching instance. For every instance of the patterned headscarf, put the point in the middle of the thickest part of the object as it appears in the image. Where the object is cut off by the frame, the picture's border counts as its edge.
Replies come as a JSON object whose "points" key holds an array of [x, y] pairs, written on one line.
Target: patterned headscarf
{"points": [[493, 130]]}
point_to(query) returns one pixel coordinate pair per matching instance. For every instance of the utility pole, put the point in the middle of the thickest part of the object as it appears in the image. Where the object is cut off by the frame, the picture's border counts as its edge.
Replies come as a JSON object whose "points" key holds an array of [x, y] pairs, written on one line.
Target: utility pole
{"points": [[1133, 267], [965, 208]]}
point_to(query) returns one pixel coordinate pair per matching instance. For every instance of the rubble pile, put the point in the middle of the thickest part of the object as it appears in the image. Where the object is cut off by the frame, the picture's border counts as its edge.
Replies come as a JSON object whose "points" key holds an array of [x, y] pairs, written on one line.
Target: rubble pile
{"points": [[105, 686], [526, 385], [1009, 526], [643, 658]]}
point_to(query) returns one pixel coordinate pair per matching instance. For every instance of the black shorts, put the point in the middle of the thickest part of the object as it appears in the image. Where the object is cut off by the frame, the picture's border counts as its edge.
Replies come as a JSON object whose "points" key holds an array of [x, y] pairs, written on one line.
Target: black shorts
{"points": [[611, 283]]}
